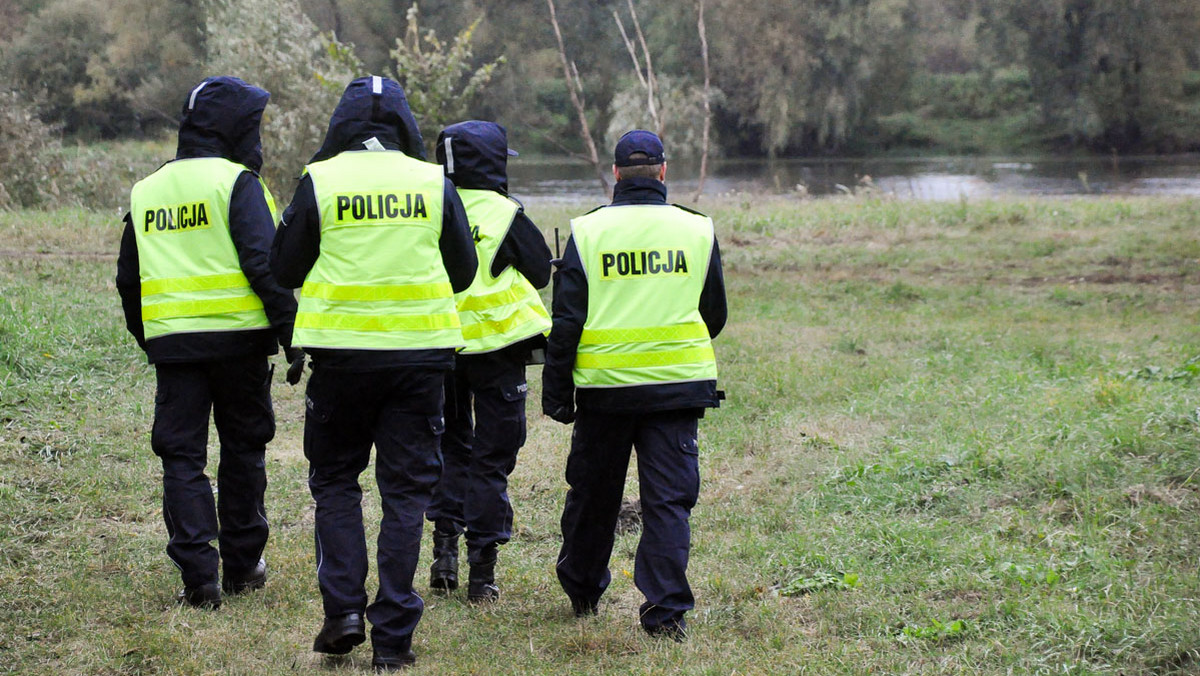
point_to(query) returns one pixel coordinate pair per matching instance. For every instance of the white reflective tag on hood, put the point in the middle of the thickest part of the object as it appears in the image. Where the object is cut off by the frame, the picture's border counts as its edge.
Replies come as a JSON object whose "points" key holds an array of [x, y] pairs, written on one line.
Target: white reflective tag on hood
{"points": [[373, 144], [449, 156], [192, 98]]}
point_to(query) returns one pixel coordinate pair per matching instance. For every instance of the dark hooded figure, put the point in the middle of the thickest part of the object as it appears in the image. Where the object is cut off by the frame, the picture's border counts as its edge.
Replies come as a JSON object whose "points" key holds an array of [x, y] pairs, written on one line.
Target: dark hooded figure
{"points": [[504, 321], [378, 243], [199, 298]]}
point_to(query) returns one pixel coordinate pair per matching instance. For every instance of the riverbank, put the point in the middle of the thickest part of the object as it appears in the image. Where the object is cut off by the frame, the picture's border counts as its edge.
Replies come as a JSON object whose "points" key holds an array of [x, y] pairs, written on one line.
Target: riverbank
{"points": [[960, 437], [100, 175]]}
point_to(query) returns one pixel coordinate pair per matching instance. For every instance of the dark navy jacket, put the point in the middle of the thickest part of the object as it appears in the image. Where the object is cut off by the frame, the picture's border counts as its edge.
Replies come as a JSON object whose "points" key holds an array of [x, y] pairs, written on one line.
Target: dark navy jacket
{"points": [[222, 121], [359, 117], [570, 312], [478, 160]]}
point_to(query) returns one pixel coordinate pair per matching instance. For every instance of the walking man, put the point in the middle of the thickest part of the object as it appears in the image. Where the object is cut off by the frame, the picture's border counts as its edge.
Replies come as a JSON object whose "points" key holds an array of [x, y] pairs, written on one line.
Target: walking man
{"points": [[377, 241], [637, 299], [503, 320], [199, 298]]}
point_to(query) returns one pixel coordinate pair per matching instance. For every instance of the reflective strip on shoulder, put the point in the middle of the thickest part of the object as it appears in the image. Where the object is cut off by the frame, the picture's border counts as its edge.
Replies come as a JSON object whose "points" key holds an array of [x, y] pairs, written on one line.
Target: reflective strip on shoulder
{"points": [[361, 292], [349, 322], [693, 331], [488, 301], [691, 355], [232, 280], [529, 313], [200, 308]]}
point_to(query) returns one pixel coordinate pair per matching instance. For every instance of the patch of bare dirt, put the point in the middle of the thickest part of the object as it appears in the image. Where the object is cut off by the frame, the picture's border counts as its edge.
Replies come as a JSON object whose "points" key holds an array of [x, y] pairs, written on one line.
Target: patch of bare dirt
{"points": [[17, 253], [1108, 278], [1141, 494]]}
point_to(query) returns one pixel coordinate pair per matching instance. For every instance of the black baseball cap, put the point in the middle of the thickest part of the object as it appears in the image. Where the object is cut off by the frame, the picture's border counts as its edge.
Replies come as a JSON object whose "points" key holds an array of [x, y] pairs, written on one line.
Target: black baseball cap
{"points": [[639, 141]]}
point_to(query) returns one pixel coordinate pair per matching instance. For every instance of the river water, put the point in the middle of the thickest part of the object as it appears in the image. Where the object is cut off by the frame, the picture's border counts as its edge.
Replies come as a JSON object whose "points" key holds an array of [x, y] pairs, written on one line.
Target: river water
{"points": [[923, 179]]}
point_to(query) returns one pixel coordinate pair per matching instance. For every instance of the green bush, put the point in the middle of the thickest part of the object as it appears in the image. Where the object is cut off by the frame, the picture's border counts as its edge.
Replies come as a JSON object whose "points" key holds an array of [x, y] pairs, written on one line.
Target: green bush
{"points": [[30, 164], [273, 45], [56, 58], [438, 77], [100, 175]]}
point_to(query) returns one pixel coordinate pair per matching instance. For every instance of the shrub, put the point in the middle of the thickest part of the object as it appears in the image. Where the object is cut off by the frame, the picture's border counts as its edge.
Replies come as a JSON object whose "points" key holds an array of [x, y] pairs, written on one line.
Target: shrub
{"points": [[30, 164], [438, 77], [273, 45], [53, 60]]}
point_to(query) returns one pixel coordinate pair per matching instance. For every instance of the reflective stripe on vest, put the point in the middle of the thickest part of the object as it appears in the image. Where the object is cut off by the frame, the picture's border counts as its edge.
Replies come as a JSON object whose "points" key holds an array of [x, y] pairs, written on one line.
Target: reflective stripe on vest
{"points": [[191, 278], [645, 266], [496, 311], [379, 282]]}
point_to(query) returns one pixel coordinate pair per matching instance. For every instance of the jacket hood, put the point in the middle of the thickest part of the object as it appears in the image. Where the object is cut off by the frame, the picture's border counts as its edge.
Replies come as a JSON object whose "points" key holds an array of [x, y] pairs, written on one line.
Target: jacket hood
{"points": [[475, 155], [221, 118], [372, 107]]}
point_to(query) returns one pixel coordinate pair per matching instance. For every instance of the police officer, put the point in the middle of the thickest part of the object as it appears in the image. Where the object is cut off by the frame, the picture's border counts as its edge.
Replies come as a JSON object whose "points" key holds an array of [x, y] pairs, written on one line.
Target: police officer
{"points": [[503, 321], [377, 241], [637, 299], [199, 298]]}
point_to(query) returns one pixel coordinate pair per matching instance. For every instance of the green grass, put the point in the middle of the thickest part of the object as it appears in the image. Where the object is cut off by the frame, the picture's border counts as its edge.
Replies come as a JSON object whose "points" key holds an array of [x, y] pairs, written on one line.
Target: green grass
{"points": [[960, 438]]}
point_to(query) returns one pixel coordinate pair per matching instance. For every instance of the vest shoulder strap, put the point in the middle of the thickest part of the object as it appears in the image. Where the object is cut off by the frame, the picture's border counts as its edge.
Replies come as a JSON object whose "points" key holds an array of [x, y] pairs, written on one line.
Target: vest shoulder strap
{"points": [[689, 210]]}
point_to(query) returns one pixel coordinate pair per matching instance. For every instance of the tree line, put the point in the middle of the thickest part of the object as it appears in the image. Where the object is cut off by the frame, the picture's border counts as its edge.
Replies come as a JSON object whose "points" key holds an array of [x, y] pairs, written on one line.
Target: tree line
{"points": [[788, 77]]}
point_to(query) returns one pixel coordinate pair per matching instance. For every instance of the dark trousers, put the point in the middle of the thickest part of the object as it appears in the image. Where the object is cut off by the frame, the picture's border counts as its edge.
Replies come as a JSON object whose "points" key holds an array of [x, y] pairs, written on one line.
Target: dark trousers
{"points": [[238, 394], [400, 412], [479, 451], [669, 478]]}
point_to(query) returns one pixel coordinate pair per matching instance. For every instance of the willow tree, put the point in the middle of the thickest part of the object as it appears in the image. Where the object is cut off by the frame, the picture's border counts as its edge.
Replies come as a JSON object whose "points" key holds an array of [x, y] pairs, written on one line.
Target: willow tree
{"points": [[1108, 73], [809, 73]]}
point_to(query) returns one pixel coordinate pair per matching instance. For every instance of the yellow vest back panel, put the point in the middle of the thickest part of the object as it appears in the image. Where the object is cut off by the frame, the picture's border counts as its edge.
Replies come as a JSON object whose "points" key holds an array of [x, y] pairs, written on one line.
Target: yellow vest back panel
{"points": [[379, 282], [191, 278], [645, 266]]}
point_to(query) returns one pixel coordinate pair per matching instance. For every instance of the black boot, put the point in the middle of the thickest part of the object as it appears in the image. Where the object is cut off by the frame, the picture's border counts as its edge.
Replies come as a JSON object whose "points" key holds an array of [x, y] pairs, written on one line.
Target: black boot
{"points": [[443, 574], [207, 596], [481, 586], [256, 578], [340, 634]]}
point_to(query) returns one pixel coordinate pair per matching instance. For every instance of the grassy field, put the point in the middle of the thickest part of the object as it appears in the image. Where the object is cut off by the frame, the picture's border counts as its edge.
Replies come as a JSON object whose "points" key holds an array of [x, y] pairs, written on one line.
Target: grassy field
{"points": [[960, 438]]}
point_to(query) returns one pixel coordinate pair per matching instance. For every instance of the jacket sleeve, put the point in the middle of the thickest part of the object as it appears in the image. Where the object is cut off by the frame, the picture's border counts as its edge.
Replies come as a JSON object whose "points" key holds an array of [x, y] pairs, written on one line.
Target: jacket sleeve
{"points": [[525, 249], [252, 229], [297, 242], [129, 283], [569, 312], [712, 296], [456, 244]]}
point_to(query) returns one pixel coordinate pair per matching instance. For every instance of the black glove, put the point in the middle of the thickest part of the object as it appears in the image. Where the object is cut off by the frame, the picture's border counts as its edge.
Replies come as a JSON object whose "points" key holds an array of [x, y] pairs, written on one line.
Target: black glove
{"points": [[295, 359], [563, 413]]}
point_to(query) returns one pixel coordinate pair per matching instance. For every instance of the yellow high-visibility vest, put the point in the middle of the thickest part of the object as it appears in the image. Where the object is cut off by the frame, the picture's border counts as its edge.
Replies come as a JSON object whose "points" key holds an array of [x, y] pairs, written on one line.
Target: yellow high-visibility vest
{"points": [[645, 266], [379, 282], [191, 278], [496, 311]]}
